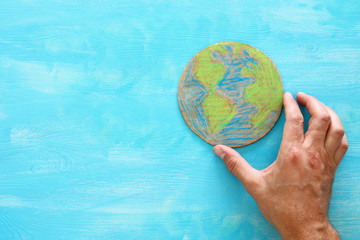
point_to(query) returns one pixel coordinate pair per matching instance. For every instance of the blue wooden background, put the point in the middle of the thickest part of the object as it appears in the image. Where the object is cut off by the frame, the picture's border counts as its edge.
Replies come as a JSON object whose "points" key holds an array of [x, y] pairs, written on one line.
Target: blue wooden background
{"points": [[93, 145]]}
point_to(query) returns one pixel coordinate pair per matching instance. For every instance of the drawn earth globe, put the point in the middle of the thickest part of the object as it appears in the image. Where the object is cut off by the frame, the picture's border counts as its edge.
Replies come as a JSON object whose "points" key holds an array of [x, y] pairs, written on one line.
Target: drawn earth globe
{"points": [[230, 93]]}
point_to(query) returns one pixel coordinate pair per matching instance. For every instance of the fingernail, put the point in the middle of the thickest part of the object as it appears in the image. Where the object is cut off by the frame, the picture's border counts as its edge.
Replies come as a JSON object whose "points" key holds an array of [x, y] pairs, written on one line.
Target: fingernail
{"points": [[219, 152], [288, 94]]}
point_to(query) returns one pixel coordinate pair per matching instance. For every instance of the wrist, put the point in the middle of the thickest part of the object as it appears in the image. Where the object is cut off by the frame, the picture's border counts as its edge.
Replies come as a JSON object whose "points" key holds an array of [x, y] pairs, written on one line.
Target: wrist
{"points": [[312, 231]]}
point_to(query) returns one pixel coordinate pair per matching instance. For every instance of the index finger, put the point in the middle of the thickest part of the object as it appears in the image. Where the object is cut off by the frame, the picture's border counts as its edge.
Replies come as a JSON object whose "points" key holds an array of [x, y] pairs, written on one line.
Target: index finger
{"points": [[319, 121], [294, 124]]}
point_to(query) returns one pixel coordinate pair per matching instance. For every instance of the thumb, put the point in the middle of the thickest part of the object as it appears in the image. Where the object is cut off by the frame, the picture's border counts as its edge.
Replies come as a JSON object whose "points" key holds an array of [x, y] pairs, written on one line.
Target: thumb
{"points": [[238, 166]]}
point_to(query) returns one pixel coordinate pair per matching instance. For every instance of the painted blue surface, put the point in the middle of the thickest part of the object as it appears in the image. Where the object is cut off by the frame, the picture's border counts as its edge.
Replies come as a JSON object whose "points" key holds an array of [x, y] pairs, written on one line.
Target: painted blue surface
{"points": [[92, 142]]}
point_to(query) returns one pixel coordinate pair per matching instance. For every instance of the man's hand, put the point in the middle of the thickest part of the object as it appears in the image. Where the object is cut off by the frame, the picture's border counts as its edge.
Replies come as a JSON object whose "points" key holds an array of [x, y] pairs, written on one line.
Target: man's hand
{"points": [[294, 192]]}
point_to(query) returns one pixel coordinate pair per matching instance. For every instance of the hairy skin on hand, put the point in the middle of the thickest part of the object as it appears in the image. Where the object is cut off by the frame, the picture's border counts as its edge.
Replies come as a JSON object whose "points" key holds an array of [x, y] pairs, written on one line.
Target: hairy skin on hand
{"points": [[294, 192]]}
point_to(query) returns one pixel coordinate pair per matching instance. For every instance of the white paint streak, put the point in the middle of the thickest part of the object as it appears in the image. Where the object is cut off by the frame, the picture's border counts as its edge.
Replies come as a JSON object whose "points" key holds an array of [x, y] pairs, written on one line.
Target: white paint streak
{"points": [[12, 201]]}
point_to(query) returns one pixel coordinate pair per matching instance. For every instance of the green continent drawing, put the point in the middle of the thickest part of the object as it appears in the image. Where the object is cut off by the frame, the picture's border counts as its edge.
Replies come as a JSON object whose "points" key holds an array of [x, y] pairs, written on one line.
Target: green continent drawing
{"points": [[230, 93], [218, 111], [210, 72], [266, 93]]}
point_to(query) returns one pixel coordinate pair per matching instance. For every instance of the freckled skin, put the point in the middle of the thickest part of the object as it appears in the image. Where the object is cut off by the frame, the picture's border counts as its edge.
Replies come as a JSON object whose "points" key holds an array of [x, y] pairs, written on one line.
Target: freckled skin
{"points": [[294, 192]]}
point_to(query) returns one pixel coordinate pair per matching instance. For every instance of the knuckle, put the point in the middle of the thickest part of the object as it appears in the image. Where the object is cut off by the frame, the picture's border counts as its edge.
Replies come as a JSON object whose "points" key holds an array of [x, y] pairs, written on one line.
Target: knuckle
{"points": [[298, 118], [231, 164], [339, 132], [325, 117], [344, 146], [315, 160], [294, 154]]}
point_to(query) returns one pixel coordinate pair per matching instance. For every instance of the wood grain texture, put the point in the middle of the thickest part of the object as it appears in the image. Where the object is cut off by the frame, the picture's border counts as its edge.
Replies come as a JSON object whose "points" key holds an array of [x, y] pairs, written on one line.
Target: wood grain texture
{"points": [[93, 145]]}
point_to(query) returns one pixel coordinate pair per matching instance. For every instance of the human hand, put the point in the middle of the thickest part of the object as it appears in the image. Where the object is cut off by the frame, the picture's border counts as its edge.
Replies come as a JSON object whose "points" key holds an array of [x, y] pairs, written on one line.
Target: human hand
{"points": [[294, 192]]}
